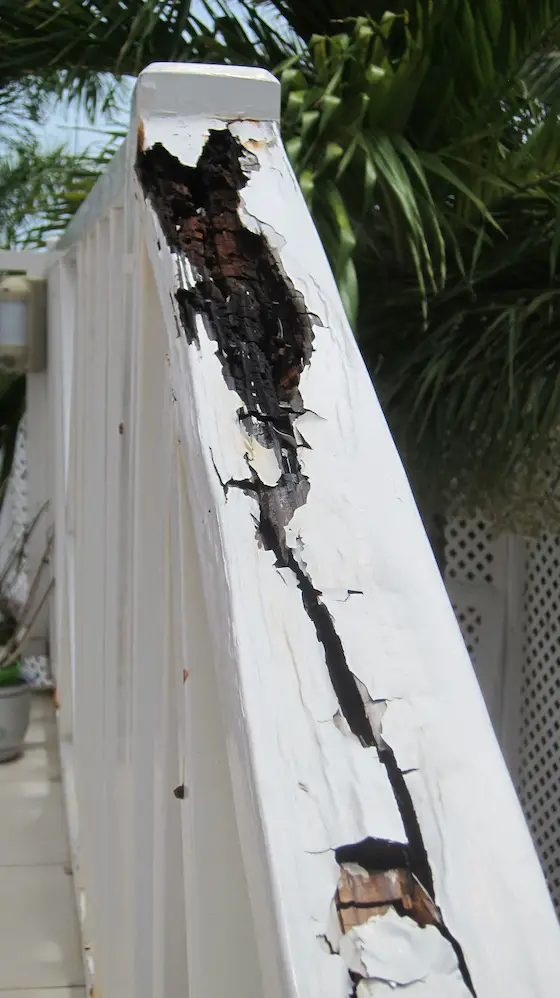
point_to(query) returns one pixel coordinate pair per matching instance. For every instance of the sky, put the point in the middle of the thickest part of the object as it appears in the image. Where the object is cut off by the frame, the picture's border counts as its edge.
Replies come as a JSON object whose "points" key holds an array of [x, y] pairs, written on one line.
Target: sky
{"points": [[71, 125]]}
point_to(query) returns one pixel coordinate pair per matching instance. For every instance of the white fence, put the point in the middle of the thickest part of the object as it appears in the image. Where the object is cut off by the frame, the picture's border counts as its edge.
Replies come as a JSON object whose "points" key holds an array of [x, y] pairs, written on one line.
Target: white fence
{"points": [[280, 772]]}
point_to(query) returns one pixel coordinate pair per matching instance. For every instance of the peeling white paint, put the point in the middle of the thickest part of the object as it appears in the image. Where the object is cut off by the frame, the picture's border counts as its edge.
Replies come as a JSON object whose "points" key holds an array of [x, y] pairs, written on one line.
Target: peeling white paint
{"points": [[435, 987], [398, 729], [358, 530], [263, 461], [395, 950]]}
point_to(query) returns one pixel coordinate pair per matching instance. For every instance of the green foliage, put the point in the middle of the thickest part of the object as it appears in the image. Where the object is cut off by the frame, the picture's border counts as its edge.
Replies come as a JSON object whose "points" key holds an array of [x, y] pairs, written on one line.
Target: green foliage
{"points": [[75, 42], [11, 674], [473, 394], [426, 142], [41, 190]]}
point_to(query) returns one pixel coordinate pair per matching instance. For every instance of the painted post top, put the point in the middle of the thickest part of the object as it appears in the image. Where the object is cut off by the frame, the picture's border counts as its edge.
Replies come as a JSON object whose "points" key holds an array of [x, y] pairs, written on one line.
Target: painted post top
{"points": [[192, 89]]}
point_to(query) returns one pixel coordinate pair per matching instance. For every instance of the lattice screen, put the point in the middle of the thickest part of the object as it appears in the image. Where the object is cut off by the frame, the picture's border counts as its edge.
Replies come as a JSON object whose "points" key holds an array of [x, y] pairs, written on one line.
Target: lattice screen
{"points": [[469, 557], [472, 561], [539, 769]]}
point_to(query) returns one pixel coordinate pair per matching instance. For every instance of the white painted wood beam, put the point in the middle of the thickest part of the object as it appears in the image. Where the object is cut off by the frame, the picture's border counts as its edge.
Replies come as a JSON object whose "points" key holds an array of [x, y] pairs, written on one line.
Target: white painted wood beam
{"points": [[349, 703]]}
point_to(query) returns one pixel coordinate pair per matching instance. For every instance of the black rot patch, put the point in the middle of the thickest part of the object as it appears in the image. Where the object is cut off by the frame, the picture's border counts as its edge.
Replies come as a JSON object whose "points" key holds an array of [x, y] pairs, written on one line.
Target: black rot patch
{"points": [[263, 330]]}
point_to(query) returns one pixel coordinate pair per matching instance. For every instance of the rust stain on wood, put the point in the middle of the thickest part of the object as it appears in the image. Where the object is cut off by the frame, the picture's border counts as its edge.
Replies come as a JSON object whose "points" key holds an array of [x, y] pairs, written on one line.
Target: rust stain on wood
{"points": [[255, 144], [140, 137], [362, 895]]}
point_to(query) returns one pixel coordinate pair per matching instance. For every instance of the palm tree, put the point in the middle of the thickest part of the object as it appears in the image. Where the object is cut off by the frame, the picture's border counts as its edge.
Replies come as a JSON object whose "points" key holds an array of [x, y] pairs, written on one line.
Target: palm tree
{"points": [[40, 190], [427, 144]]}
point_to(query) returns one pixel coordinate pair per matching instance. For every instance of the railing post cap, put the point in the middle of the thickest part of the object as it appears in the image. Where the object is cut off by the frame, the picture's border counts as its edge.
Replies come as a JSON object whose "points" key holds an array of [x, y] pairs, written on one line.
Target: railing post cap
{"points": [[197, 89]]}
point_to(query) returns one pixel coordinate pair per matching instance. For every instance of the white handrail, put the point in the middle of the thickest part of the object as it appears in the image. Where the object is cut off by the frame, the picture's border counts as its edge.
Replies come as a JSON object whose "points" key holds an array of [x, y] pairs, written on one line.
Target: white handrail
{"points": [[247, 609]]}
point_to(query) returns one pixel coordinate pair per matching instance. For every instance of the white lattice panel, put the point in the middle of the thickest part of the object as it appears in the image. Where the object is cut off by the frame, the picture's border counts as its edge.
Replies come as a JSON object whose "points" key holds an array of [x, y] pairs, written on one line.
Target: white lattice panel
{"points": [[477, 574], [539, 766], [470, 622], [469, 551], [469, 571]]}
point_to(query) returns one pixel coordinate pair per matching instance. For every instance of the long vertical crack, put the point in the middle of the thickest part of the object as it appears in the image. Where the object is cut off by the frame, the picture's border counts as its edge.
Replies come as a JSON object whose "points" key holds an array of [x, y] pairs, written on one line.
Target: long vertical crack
{"points": [[264, 338]]}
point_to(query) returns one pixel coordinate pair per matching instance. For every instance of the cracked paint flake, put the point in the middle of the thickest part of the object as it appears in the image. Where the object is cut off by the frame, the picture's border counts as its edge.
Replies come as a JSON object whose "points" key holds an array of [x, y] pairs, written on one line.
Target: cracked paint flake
{"points": [[263, 461], [394, 950], [435, 987]]}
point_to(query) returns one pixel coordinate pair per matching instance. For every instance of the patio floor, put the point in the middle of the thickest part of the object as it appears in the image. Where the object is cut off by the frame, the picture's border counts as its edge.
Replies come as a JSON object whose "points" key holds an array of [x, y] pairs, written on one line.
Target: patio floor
{"points": [[40, 953]]}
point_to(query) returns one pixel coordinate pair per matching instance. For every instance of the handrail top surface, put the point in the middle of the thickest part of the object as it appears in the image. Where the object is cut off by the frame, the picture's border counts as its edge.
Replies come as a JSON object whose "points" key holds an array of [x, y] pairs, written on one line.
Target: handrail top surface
{"points": [[176, 91]]}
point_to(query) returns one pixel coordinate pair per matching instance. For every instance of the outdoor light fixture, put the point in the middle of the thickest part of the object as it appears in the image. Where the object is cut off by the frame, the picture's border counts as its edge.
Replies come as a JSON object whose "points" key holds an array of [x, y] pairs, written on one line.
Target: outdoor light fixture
{"points": [[22, 325]]}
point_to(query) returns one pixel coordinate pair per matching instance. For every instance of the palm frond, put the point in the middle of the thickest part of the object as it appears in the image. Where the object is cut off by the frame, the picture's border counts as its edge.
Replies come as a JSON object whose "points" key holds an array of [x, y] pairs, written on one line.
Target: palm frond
{"points": [[426, 141], [472, 396], [40, 190], [80, 37]]}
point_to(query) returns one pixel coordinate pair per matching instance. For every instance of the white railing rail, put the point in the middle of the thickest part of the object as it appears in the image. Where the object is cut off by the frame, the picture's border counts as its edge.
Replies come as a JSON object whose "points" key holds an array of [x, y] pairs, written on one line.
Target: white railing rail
{"points": [[282, 778]]}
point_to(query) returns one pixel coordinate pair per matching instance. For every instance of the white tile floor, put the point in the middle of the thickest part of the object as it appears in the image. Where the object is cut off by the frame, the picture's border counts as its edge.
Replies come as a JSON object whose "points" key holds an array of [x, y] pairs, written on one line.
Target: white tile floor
{"points": [[40, 953]]}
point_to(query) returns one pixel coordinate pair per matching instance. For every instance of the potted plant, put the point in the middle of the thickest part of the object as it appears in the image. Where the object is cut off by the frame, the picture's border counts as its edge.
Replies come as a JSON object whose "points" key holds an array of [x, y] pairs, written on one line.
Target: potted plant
{"points": [[15, 707], [17, 616]]}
